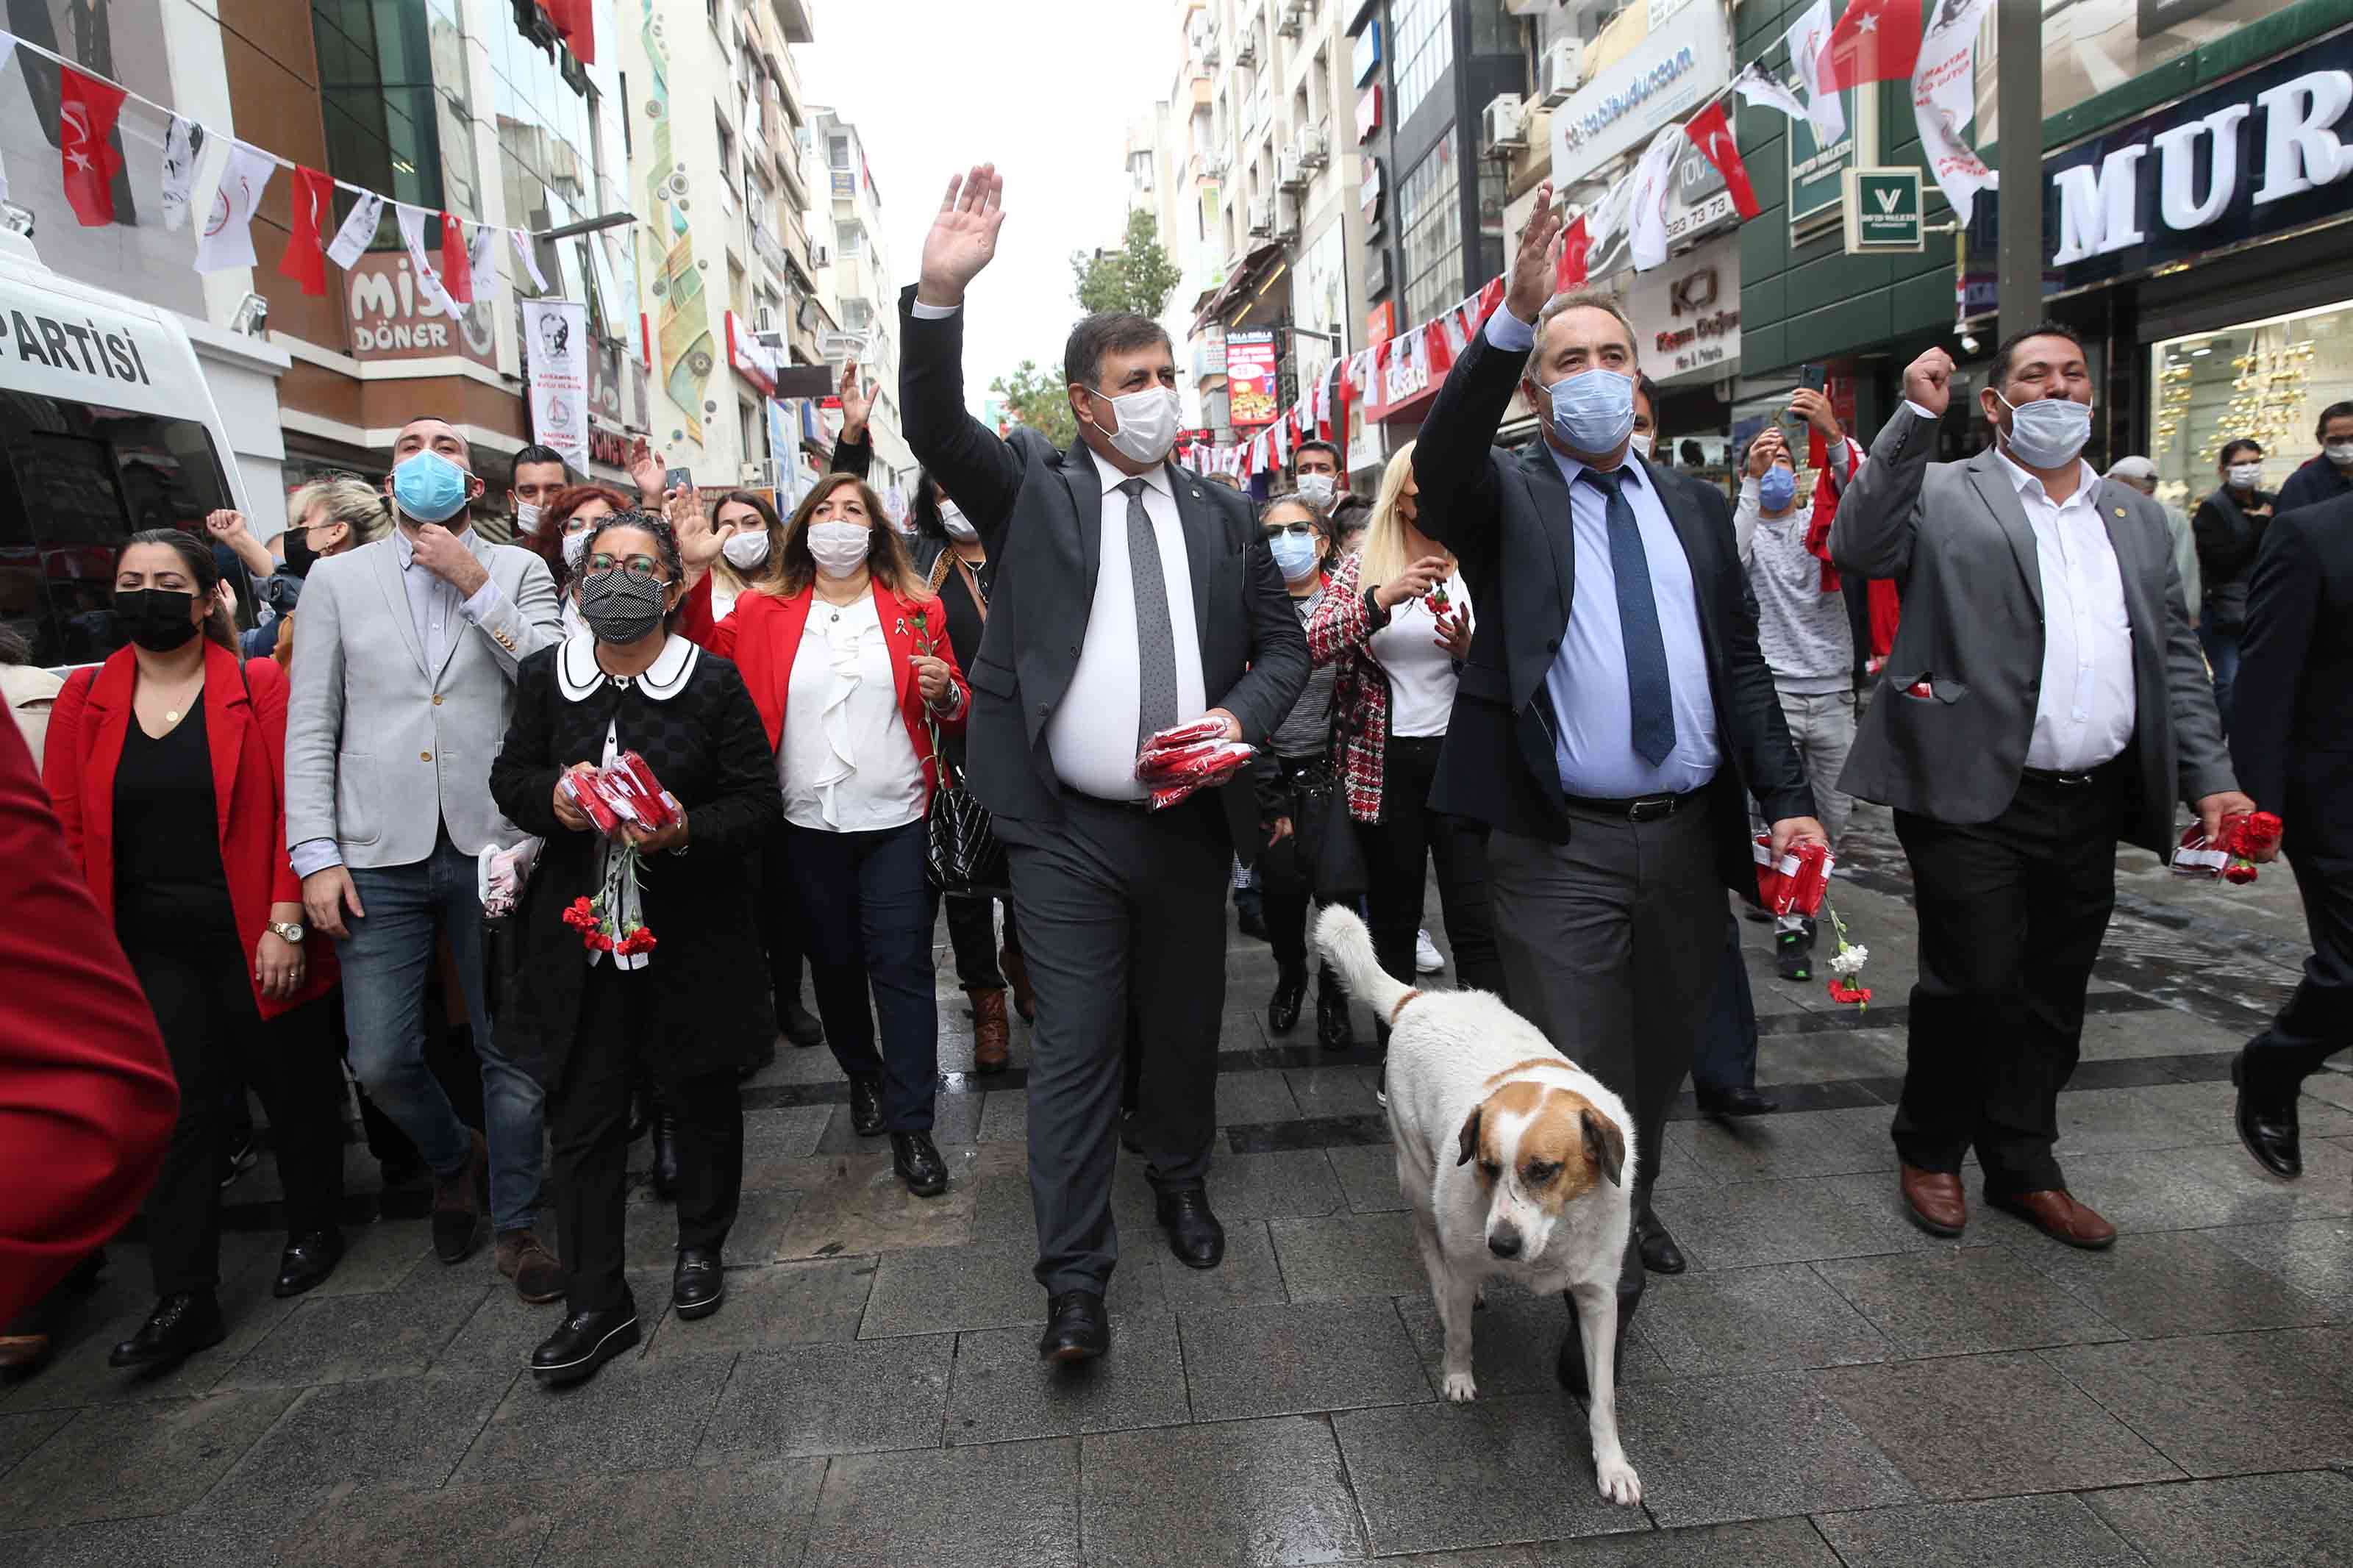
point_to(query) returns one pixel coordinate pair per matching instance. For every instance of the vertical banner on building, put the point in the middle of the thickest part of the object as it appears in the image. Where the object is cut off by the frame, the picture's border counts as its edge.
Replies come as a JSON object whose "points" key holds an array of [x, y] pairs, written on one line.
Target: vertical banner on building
{"points": [[556, 336]]}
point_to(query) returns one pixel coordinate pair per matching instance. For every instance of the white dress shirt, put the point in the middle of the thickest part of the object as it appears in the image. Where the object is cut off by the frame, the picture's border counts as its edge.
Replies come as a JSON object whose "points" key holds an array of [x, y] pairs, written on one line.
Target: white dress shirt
{"points": [[1421, 672], [1091, 736], [2084, 713], [846, 764]]}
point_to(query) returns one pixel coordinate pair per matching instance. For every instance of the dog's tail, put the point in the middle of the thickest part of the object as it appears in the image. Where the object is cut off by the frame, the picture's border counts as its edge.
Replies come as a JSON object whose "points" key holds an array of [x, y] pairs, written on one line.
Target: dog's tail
{"points": [[1347, 946]]}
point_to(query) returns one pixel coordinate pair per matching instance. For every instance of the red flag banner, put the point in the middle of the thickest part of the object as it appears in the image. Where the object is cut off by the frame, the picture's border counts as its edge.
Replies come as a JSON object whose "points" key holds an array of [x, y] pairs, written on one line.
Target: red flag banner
{"points": [[457, 263], [313, 200], [575, 20], [1575, 243], [1711, 133], [1438, 345], [89, 161], [1874, 40], [1490, 298]]}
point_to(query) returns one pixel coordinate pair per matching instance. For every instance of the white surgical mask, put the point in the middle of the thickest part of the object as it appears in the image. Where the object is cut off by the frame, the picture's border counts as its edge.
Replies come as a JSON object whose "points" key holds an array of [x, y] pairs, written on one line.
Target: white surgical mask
{"points": [[2339, 453], [1318, 488], [839, 548], [526, 517], [2245, 476], [951, 519], [1639, 442], [575, 545], [2047, 432], [746, 550], [1593, 410], [1147, 423]]}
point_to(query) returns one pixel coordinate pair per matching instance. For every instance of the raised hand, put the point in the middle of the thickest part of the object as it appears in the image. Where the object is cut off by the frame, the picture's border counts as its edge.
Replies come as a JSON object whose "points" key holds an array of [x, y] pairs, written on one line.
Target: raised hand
{"points": [[1929, 380], [1531, 264], [1814, 408], [856, 401], [1763, 450], [646, 469], [1412, 582], [962, 239]]}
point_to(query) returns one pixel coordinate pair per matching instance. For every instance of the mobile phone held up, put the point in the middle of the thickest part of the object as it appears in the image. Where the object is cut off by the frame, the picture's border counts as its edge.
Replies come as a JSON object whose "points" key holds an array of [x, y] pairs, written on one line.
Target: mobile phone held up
{"points": [[679, 479], [1811, 378]]}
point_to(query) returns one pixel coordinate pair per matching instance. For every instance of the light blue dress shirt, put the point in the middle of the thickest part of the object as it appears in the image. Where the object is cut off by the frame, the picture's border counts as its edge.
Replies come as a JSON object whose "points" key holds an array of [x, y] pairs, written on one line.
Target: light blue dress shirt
{"points": [[1594, 744]]}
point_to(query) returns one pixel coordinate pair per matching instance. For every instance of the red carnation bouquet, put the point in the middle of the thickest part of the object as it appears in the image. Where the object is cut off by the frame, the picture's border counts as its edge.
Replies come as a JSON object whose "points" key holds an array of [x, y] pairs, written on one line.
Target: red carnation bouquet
{"points": [[622, 793], [1183, 758], [2230, 854]]}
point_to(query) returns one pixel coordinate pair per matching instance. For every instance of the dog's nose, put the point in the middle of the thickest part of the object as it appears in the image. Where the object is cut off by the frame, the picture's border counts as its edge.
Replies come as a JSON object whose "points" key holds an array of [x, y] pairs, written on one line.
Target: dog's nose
{"points": [[1505, 1243]]}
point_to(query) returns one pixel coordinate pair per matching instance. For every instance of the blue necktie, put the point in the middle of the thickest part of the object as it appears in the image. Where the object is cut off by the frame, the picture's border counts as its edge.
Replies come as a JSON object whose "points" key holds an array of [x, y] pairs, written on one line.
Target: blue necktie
{"points": [[1649, 697]]}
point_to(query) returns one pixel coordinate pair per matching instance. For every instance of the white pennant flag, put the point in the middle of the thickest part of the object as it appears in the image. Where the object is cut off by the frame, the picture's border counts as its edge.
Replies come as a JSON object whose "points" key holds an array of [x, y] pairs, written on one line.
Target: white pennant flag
{"points": [[358, 231], [1653, 181], [429, 281], [481, 263], [1958, 171], [1762, 90], [183, 145], [1944, 76], [1806, 40], [530, 254], [228, 237]]}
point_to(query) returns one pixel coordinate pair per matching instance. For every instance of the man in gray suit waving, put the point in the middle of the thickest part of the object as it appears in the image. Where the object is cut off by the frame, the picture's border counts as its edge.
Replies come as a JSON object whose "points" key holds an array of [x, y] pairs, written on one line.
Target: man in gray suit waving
{"points": [[401, 686], [2043, 699]]}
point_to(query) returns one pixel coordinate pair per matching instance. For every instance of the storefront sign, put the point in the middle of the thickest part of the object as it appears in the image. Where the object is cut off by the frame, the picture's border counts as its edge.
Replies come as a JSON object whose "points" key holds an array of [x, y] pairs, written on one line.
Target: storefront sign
{"points": [[1407, 373], [1365, 54], [754, 361], [2259, 155], [1380, 323], [1368, 187], [1816, 171], [1882, 212], [392, 318], [1368, 113], [1687, 313], [555, 339], [1376, 272], [1251, 378], [1664, 76]]}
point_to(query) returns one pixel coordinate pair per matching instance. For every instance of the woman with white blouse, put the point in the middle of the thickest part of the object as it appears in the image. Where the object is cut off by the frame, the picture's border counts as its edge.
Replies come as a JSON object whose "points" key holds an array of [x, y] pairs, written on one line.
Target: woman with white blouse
{"points": [[847, 656]]}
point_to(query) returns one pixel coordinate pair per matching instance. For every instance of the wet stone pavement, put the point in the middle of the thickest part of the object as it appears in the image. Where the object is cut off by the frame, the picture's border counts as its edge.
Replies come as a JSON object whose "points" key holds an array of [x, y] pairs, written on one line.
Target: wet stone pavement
{"points": [[1826, 1386]]}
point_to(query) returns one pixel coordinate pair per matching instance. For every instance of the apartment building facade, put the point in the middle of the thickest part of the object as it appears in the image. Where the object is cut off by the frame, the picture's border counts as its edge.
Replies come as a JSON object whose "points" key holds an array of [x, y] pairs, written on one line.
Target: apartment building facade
{"points": [[857, 286]]}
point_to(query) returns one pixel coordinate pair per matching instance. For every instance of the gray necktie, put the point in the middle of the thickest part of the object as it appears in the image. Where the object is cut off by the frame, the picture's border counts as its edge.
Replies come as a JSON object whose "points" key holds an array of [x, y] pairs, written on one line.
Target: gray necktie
{"points": [[1155, 640]]}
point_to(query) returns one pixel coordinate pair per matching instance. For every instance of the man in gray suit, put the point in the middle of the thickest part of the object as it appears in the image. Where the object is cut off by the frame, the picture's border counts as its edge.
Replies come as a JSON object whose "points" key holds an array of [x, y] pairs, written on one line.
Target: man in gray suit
{"points": [[2044, 698], [401, 690]]}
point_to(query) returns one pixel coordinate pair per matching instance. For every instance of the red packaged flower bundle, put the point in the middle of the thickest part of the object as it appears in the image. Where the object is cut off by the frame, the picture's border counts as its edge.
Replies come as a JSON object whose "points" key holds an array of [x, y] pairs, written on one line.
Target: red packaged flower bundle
{"points": [[1177, 771], [638, 794], [2230, 855], [1796, 884], [586, 789], [1207, 728]]}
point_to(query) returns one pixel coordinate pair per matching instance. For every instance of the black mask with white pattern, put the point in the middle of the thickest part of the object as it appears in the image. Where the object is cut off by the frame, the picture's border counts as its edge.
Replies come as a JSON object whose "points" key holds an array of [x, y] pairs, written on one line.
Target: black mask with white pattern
{"points": [[620, 607]]}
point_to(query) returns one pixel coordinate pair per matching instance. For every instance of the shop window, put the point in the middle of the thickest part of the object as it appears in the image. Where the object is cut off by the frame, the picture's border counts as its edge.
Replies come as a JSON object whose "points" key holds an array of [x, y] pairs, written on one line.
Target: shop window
{"points": [[2265, 381], [1423, 46], [1429, 216], [376, 98]]}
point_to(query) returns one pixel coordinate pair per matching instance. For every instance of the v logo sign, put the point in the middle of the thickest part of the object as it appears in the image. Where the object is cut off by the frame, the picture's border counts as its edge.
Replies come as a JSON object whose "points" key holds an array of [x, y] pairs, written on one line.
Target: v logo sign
{"points": [[1886, 200]]}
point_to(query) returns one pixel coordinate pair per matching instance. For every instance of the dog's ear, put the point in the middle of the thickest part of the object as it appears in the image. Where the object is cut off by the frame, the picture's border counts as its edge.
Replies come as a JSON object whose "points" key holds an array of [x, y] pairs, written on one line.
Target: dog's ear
{"points": [[1605, 1145], [1467, 1144]]}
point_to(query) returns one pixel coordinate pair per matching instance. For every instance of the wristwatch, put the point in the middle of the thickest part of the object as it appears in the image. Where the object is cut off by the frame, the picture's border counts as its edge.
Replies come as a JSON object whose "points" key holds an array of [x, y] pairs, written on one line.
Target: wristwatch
{"points": [[290, 930]]}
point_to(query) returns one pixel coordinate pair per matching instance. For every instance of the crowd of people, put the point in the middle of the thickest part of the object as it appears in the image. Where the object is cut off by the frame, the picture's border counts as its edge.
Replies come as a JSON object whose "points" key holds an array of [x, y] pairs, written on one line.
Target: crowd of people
{"points": [[1577, 684]]}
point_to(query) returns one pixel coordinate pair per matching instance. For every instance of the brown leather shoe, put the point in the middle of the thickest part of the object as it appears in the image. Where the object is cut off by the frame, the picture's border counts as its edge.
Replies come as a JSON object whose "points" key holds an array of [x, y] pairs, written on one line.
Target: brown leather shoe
{"points": [[1934, 1200], [523, 1258], [2056, 1212], [1017, 975], [989, 1027]]}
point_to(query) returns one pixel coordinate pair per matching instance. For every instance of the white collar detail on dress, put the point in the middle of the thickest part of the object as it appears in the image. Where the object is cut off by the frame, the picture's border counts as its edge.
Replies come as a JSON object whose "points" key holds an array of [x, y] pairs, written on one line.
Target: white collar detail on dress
{"points": [[581, 677]]}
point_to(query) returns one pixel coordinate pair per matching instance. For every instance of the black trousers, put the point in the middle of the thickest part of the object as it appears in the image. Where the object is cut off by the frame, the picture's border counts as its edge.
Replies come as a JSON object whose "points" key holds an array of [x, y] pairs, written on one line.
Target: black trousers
{"points": [[1408, 837], [588, 1126], [2012, 915], [1123, 917], [200, 988], [1284, 894], [972, 937], [1727, 1050], [2318, 1021], [780, 916], [866, 913]]}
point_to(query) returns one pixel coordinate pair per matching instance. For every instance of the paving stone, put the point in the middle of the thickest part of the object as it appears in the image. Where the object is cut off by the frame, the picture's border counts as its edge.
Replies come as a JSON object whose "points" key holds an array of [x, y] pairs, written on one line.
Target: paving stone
{"points": [[1247, 1098], [1796, 1143], [1005, 1117], [2176, 1282], [1496, 1470], [636, 1413], [2227, 1404], [1515, 1341], [1678, 1165], [1828, 1058], [1966, 1426], [1963, 1300], [1367, 1175], [344, 1339], [21, 1434], [1245, 1494], [831, 1399], [2114, 1120], [1750, 1448], [1348, 1255], [2256, 1196], [1333, 1090], [978, 1507], [2152, 1190], [2212, 1106], [776, 1304], [775, 1139], [1281, 1185], [1772, 1319], [2249, 1522], [753, 1515], [2048, 1532], [934, 1291], [206, 1535], [1001, 1391], [1292, 1359], [1748, 1543], [855, 1206], [2316, 1256], [378, 1256], [151, 1457], [1745, 1224], [498, 1340], [395, 1431], [482, 1527], [762, 1222]]}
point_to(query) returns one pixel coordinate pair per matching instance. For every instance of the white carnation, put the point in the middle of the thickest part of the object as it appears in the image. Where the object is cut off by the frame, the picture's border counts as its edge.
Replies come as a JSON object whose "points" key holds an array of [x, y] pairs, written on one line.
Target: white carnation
{"points": [[1849, 961]]}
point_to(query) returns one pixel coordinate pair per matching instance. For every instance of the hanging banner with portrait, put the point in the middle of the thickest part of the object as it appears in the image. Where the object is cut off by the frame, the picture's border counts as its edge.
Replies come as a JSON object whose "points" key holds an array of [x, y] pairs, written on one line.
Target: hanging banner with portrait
{"points": [[555, 339]]}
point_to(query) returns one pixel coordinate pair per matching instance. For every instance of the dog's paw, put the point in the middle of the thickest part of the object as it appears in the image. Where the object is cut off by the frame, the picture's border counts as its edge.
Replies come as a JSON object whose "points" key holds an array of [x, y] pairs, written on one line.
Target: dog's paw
{"points": [[1479, 1300], [1618, 1482], [1460, 1388]]}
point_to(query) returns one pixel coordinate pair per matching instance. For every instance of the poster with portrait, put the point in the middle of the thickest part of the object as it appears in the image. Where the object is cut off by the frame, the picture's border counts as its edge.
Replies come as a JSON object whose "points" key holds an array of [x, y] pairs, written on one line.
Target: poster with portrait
{"points": [[555, 338], [1251, 378]]}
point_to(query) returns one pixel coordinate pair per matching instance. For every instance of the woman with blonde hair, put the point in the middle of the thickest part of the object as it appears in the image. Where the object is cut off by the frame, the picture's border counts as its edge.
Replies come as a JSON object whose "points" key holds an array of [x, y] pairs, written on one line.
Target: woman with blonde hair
{"points": [[1397, 617], [327, 517]]}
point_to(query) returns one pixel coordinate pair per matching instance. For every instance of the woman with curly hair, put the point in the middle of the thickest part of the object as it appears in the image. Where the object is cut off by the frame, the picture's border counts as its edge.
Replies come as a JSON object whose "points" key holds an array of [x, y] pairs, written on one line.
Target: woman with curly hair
{"points": [[562, 535]]}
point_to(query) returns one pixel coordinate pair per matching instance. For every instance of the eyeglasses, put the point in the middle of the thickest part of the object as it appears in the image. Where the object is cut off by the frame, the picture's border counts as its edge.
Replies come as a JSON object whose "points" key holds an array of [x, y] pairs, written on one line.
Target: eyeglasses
{"points": [[1294, 528], [643, 567]]}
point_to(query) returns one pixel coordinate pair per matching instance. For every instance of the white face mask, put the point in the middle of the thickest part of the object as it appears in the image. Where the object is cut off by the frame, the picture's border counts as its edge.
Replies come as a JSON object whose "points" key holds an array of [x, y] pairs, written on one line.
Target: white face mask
{"points": [[951, 519], [575, 545], [526, 517], [2245, 476], [745, 550], [1147, 423], [839, 548], [2339, 453], [1639, 443], [2047, 432], [1318, 488]]}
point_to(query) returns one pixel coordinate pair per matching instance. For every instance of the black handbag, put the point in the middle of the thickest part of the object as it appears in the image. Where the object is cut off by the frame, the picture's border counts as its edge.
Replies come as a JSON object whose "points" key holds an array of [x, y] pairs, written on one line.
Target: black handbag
{"points": [[961, 851]]}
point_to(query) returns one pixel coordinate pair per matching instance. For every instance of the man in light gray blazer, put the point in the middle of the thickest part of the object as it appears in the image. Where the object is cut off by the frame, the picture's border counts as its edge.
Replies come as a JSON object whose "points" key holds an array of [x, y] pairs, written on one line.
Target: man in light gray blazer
{"points": [[2043, 699], [402, 685]]}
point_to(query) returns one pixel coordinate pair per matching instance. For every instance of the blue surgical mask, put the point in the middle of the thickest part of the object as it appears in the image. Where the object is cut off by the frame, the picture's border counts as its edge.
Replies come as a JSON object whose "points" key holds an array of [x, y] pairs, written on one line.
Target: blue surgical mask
{"points": [[2049, 432], [1778, 488], [1593, 411], [430, 488], [1294, 553]]}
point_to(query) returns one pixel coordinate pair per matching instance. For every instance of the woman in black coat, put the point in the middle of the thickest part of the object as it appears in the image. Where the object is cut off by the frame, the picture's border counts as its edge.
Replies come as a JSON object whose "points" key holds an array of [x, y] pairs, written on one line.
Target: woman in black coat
{"points": [[693, 1006]]}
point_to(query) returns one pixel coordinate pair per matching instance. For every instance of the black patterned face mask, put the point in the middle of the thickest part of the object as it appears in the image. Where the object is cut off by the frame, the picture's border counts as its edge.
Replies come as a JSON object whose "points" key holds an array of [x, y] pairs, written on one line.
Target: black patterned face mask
{"points": [[620, 607]]}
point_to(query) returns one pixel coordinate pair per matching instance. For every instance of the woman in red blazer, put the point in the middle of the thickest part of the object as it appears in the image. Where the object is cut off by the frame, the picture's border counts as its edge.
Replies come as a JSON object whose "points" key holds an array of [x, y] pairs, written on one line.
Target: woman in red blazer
{"points": [[167, 766], [847, 656]]}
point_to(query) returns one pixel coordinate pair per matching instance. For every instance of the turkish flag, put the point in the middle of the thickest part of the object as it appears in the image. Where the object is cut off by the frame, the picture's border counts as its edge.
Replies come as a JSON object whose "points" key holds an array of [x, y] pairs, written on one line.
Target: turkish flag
{"points": [[576, 21], [1575, 243], [457, 264], [1874, 40], [1711, 133], [86, 111], [1490, 298], [1437, 344], [314, 199]]}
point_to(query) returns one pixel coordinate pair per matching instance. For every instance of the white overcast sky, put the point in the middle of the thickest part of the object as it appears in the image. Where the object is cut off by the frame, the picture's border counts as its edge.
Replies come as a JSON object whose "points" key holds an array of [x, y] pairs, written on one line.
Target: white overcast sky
{"points": [[1045, 89]]}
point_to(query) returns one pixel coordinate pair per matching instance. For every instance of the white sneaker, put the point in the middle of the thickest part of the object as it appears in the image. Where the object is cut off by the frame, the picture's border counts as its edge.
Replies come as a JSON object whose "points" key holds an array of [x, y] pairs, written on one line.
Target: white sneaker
{"points": [[1426, 958]]}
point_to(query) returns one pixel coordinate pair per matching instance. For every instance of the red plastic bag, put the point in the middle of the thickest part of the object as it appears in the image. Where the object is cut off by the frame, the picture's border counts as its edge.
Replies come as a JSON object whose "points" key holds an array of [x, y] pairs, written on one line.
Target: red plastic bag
{"points": [[587, 791], [1797, 883]]}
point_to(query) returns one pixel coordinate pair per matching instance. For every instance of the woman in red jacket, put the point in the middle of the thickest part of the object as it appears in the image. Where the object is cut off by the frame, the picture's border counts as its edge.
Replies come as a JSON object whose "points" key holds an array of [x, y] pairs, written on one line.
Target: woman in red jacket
{"points": [[168, 767], [847, 658]]}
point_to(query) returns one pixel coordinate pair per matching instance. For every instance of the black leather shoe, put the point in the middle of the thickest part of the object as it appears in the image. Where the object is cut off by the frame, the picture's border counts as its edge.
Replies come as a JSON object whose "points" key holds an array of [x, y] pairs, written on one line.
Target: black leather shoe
{"points": [[1571, 1368], [307, 1261], [1742, 1100], [179, 1327], [1193, 1234], [2267, 1124], [698, 1282], [1131, 1132], [799, 1025], [865, 1106], [1076, 1328], [665, 1172], [1290, 991], [918, 1164], [1335, 1030], [585, 1341], [1660, 1253]]}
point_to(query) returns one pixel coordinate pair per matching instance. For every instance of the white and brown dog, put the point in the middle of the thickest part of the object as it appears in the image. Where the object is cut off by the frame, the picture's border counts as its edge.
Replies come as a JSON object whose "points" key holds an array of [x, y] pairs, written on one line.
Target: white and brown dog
{"points": [[1514, 1161]]}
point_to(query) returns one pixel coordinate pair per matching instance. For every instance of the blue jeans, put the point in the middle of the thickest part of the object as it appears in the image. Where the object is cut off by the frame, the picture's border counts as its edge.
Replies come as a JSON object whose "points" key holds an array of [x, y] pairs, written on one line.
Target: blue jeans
{"points": [[384, 962], [2222, 658]]}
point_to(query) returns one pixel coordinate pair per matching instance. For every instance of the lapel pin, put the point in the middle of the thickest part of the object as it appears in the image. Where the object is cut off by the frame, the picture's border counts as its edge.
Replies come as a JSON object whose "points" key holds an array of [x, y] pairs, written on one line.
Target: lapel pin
{"points": [[2120, 511]]}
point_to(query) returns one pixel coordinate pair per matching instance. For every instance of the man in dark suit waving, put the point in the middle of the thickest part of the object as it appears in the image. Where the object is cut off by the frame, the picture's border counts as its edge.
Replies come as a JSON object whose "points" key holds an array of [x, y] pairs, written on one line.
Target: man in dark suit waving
{"points": [[1129, 596], [1613, 713]]}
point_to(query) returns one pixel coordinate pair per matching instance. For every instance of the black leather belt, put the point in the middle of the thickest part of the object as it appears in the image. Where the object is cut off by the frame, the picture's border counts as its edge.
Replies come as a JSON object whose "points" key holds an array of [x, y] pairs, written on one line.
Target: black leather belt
{"points": [[2057, 776], [1635, 808]]}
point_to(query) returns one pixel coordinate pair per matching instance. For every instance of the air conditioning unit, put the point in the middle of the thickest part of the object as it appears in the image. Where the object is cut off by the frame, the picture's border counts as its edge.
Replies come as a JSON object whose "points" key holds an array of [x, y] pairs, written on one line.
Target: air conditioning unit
{"points": [[755, 476], [820, 255], [1564, 66], [1262, 217], [1288, 174], [1291, 19], [1246, 52], [1501, 125], [1218, 164], [1314, 148], [1286, 221], [1209, 50]]}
